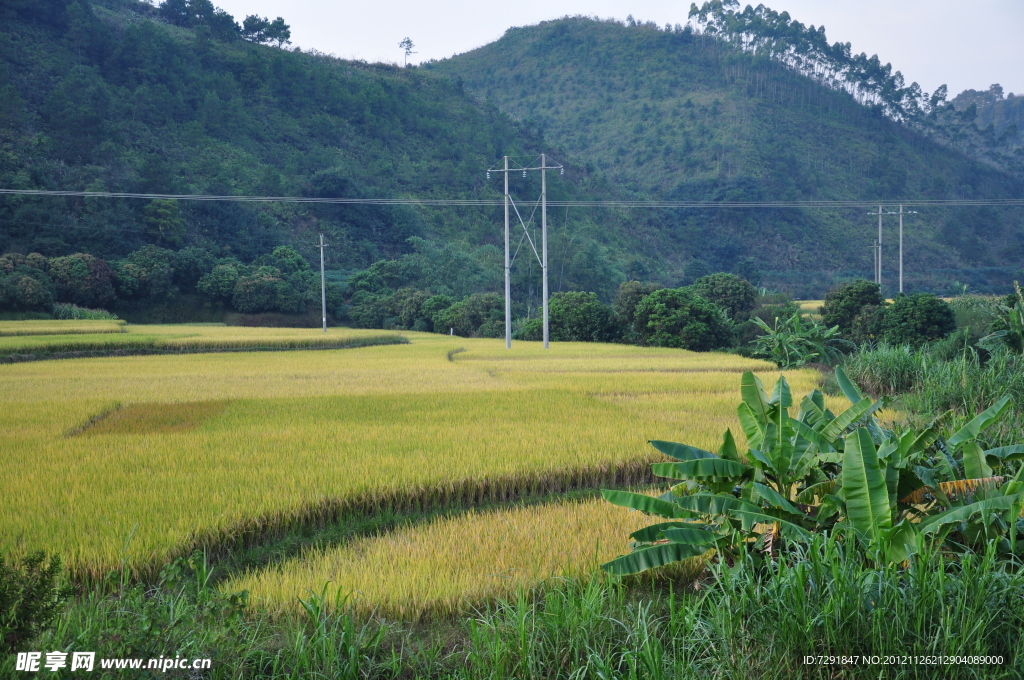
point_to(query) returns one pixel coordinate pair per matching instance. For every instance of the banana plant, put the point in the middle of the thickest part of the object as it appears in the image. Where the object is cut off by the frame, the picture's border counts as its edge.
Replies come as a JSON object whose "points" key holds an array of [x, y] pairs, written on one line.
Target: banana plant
{"points": [[819, 472], [786, 486]]}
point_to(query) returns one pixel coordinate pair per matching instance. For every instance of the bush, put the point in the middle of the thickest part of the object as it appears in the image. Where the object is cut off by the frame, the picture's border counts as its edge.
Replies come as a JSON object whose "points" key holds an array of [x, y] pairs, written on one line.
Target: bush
{"points": [[469, 315], [678, 317], [66, 310], [868, 326], [734, 295], [917, 319], [83, 279], [580, 317], [624, 306], [844, 303], [30, 598]]}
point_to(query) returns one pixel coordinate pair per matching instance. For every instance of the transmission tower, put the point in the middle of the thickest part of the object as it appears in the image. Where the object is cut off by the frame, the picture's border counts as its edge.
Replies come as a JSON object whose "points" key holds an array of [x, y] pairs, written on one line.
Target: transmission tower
{"points": [[542, 164]]}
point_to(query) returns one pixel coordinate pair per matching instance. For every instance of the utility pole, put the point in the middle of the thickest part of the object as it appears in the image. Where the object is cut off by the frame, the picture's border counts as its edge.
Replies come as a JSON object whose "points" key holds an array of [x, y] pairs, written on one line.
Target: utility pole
{"points": [[544, 237], [878, 280], [901, 213], [542, 257], [323, 283], [508, 272]]}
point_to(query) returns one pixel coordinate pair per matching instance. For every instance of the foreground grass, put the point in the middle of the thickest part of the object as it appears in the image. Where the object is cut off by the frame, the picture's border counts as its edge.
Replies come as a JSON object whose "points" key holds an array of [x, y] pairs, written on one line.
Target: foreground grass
{"points": [[301, 437], [742, 622]]}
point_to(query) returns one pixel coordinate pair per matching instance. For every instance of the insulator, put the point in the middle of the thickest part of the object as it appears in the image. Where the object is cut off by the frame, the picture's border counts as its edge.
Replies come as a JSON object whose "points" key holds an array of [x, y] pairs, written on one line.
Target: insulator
{"points": [[561, 171], [488, 175], [524, 173]]}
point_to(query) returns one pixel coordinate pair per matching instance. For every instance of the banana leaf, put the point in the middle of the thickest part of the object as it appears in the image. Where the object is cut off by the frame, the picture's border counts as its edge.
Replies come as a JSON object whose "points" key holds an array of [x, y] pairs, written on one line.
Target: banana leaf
{"points": [[645, 504], [963, 513], [713, 469], [653, 533], [690, 536], [978, 424], [681, 451], [654, 556], [867, 496]]}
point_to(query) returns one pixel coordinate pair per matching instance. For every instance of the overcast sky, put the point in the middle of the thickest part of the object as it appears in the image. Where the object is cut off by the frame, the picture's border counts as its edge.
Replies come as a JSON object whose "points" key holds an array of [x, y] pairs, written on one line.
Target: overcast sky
{"points": [[965, 45]]}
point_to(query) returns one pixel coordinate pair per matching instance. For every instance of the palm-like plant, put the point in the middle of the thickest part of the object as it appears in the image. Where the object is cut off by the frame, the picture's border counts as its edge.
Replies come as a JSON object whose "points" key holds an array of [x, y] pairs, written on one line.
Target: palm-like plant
{"points": [[794, 342], [820, 472]]}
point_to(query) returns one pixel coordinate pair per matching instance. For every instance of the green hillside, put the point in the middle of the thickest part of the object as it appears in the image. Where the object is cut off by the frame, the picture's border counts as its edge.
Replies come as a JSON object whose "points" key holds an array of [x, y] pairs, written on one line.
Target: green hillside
{"points": [[107, 96], [680, 115], [121, 95]]}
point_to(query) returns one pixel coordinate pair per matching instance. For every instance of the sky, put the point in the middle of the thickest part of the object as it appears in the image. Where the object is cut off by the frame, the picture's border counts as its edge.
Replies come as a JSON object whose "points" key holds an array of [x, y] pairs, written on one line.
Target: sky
{"points": [[932, 42]]}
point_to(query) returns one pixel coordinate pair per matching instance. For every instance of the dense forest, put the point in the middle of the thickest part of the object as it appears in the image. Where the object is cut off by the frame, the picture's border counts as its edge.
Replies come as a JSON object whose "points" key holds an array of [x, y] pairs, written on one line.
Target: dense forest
{"points": [[182, 98]]}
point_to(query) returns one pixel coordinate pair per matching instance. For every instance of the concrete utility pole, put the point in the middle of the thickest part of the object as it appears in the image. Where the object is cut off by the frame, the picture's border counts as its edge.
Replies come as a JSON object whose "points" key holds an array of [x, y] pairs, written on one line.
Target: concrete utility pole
{"points": [[323, 283], [878, 280], [544, 237], [542, 257], [508, 271], [902, 213]]}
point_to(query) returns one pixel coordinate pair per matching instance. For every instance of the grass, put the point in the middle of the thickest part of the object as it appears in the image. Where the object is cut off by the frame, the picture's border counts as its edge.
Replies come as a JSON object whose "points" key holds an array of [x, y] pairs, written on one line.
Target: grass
{"points": [[742, 622], [447, 566], [53, 327], [300, 438]]}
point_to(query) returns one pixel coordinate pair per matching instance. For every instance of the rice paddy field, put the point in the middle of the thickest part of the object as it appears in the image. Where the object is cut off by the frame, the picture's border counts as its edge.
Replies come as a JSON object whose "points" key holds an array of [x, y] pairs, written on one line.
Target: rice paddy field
{"points": [[130, 461]]}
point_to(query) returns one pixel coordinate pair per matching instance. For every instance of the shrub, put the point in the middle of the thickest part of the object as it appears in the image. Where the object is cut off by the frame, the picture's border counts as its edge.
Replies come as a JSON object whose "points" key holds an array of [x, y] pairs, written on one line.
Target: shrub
{"points": [[869, 325], [734, 295], [794, 342], [624, 306], [678, 317], [844, 303], [580, 317], [30, 598], [917, 319], [66, 310], [83, 280]]}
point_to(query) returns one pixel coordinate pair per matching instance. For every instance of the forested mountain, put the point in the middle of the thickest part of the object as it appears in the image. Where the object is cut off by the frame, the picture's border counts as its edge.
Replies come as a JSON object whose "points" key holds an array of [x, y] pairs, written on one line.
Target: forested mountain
{"points": [[673, 113], [121, 95]]}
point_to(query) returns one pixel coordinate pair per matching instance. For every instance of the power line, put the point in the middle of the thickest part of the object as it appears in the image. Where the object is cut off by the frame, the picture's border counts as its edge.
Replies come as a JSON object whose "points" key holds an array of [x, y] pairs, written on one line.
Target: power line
{"points": [[488, 202]]}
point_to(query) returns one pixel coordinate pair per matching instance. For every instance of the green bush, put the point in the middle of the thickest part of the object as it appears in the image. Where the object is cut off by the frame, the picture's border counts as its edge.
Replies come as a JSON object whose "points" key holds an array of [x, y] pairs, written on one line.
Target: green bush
{"points": [[31, 597], [678, 317], [844, 303], [83, 279], [734, 295], [629, 295], [917, 319], [577, 316]]}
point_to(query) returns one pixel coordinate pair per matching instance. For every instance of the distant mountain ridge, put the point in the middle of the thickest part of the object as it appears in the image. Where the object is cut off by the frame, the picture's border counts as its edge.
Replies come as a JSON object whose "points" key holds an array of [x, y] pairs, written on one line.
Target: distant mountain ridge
{"points": [[677, 114], [106, 95]]}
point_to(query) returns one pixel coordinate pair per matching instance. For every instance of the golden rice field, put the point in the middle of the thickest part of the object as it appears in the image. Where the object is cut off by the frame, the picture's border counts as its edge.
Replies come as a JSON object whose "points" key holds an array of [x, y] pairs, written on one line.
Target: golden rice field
{"points": [[451, 564], [134, 460], [55, 327], [174, 338]]}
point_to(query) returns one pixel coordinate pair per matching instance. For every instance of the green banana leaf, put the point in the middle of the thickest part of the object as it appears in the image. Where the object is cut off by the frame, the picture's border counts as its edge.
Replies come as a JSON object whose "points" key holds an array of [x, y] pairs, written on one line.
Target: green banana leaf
{"points": [[712, 469], [977, 425], [752, 392], [681, 451], [975, 466], [1007, 453], [689, 536], [963, 513], [789, 529], [849, 389], [835, 429], [714, 504], [654, 556], [752, 427], [776, 500], [653, 533], [901, 541], [645, 504], [864, 487]]}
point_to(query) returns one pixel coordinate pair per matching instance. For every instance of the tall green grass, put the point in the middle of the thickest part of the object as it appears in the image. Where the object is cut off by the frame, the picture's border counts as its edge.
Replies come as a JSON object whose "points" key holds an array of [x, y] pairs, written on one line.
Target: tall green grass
{"points": [[943, 377], [741, 621]]}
